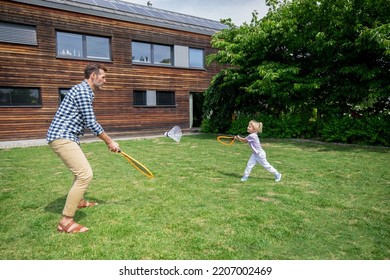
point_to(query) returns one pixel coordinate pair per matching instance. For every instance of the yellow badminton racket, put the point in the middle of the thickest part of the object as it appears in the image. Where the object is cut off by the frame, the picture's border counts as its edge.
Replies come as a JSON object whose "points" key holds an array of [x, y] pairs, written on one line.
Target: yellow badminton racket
{"points": [[226, 140], [137, 165]]}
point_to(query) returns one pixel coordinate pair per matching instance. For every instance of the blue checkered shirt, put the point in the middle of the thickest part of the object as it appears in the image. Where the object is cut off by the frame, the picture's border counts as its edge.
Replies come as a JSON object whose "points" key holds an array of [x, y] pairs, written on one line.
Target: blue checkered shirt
{"points": [[74, 115]]}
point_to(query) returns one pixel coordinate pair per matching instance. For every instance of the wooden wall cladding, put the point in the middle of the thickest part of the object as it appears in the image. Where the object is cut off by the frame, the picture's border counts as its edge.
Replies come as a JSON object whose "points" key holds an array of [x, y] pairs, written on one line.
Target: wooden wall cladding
{"points": [[37, 66]]}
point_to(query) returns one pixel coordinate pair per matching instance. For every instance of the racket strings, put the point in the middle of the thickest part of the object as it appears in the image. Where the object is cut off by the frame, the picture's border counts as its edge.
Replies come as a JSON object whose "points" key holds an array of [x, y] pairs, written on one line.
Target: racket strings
{"points": [[142, 168], [139, 166]]}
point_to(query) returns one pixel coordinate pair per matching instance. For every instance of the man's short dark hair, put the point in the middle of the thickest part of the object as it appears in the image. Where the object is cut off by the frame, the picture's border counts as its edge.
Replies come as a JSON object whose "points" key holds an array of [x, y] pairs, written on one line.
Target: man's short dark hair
{"points": [[93, 68]]}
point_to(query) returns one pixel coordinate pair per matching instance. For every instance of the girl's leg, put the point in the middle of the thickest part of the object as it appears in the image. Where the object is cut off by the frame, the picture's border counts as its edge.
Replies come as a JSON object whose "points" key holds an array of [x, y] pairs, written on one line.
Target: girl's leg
{"points": [[262, 159], [249, 166]]}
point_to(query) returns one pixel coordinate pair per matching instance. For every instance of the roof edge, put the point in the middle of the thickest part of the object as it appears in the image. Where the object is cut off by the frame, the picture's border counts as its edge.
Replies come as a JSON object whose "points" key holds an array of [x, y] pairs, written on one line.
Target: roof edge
{"points": [[119, 15]]}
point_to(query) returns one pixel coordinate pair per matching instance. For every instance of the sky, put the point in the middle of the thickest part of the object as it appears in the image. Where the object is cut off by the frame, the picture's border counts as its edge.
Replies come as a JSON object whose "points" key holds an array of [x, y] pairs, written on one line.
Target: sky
{"points": [[239, 11]]}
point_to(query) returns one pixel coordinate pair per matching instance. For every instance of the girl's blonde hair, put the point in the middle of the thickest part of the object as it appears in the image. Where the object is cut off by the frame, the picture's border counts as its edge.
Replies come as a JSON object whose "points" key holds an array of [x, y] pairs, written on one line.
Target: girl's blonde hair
{"points": [[257, 126]]}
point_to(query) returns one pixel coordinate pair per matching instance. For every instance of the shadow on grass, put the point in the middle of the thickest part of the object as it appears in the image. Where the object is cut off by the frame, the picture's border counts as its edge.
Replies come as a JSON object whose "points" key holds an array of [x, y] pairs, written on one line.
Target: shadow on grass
{"points": [[57, 205], [229, 174], [115, 202]]}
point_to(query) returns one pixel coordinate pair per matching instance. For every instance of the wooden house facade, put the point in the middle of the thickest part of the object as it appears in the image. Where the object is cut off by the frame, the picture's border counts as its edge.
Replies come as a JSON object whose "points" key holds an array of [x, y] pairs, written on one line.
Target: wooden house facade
{"points": [[155, 61]]}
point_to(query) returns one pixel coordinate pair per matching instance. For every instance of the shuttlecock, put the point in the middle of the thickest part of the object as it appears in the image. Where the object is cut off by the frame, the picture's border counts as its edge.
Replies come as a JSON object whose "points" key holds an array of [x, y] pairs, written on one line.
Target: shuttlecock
{"points": [[174, 133]]}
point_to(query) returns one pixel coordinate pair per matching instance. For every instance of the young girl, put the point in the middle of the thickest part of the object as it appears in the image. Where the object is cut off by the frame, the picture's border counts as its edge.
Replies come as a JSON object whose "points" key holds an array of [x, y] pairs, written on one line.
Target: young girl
{"points": [[258, 155]]}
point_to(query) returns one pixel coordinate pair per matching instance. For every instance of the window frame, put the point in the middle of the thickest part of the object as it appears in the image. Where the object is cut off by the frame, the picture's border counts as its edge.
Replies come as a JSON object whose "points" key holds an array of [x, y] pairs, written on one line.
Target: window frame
{"points": [[18, 33], [38, 99], [82, 53], [171, 55], [189, 58], [144, 102], [152, 52], [153, 98], [62, 93], [159, 98]]}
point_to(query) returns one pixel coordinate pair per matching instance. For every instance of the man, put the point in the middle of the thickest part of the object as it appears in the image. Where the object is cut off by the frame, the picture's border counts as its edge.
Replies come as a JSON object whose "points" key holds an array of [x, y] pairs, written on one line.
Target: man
{"points": [[73, 116]]}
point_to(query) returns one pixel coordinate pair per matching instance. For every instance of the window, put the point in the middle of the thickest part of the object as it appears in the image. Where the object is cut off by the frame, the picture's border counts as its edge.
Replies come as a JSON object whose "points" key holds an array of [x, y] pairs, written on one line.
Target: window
{"points": [[162, 54], [178, 56], [196, 58], [153, 98], [139, 98], [152, 53], [62, 92], [165, 98], [18, 33], [141, 52], [81, 46], [10, 96]]}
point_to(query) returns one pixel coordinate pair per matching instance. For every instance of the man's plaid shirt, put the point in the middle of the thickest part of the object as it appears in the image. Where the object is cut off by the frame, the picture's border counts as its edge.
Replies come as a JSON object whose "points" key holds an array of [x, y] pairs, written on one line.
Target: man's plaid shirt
{"points": [[74, 115]]}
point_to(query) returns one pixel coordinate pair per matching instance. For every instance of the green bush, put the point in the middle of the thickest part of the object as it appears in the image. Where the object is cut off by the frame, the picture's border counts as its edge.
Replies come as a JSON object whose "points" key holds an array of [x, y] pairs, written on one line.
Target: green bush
{"points": [[370, 130], [291, 126], [239, 125]]}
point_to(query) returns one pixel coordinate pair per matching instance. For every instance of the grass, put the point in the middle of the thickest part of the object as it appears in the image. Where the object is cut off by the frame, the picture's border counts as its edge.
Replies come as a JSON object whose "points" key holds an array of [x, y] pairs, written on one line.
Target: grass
{"points": [[332, 203]]}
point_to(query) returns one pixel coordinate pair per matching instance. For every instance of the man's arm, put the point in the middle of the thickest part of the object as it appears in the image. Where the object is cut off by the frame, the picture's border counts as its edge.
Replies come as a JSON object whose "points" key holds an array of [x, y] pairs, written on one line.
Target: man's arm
{"points": [[111, 144]]}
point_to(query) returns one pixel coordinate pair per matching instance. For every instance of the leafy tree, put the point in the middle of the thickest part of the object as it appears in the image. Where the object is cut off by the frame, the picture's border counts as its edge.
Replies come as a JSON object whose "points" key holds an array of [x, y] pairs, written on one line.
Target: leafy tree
{"points": [[331, 57], [220, 103]]}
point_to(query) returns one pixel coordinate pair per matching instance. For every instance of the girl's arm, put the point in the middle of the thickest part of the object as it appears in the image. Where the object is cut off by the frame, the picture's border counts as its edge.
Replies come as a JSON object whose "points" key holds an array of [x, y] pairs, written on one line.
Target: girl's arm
{"points": [[241, 139]]}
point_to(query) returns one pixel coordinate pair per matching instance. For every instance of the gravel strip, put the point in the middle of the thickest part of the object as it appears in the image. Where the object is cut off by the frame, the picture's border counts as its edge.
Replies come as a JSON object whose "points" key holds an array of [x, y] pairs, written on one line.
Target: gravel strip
{"points": [[87, 139]]}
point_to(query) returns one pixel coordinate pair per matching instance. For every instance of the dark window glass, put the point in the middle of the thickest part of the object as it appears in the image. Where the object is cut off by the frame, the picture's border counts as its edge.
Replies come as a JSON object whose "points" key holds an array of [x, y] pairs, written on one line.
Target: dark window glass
{"points": [[165, 98], [139, 98], [10, 96], [62, 93]]}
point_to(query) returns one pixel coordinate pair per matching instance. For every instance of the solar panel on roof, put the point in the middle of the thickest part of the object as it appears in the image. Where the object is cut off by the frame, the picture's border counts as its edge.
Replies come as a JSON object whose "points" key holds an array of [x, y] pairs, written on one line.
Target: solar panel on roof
{"points": [[198, 21], [104, 3], [122, 7], [173, 17], [90, 2], [153, 12], [188, 20], [211, 23], [140, 11], [218, 25]]}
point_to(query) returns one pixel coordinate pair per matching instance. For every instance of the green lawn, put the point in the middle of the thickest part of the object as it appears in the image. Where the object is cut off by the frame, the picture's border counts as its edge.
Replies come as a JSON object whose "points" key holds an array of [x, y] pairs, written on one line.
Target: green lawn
{"points": [[333, 203]]}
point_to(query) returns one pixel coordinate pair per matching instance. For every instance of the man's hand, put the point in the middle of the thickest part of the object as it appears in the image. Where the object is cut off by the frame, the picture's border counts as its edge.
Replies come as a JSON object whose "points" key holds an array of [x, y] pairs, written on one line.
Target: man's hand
{"points": [[111, 144]]}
